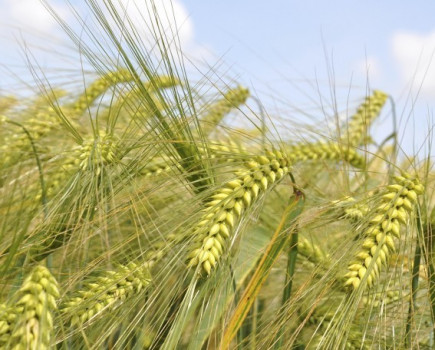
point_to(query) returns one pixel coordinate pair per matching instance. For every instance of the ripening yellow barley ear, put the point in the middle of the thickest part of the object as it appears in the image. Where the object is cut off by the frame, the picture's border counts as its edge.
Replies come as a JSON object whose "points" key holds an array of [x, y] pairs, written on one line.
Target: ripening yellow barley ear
{"points": [[227, 205], [359, 123], [397, 204], [28, 324], [233, 98], [106, 293]]}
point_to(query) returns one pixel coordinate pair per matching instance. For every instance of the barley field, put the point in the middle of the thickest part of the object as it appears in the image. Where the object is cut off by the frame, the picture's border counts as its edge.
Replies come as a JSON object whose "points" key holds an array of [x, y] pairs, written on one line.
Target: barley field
{"points": [[147, 209]]}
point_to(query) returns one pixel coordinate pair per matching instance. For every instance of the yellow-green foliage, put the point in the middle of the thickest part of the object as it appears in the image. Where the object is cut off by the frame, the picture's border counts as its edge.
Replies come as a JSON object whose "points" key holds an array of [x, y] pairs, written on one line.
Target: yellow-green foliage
{"points": [[167, 229]]}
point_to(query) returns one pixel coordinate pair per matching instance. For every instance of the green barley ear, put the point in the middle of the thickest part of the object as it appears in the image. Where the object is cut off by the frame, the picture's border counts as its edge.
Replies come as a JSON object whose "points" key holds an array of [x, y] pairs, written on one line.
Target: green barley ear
{"points": [[349, 208], [8, 319], [33, 319], [382, 298], [16, 145], [233, 98], [312, 252], [227, 205], [364, 116], [98, 87], [325, 151], [397, 205], [323, 318], [106, 292], [132, 99], [97, 152]]}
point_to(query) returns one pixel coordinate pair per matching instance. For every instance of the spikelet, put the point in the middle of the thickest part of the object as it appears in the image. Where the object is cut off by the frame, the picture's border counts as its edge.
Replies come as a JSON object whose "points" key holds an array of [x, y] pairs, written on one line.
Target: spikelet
{"points": [[394, 210], [107, 292], [97, 152], [351, 209], [324, 151], [364, 116], [312, 251], [8, 319], [233, 98], [227, 205], [29, 323], [227, 152]]}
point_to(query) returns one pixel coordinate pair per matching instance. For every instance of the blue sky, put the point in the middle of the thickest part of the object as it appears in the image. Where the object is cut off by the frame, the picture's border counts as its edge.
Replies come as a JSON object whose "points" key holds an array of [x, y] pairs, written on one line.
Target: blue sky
{"points": [[288, 51]]}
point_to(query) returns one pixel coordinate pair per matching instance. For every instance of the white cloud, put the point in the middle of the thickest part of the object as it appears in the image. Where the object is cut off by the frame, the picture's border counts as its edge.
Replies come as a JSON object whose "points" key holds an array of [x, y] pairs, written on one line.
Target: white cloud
{"points": [[415, 56], [28, 15], [146, 18]]}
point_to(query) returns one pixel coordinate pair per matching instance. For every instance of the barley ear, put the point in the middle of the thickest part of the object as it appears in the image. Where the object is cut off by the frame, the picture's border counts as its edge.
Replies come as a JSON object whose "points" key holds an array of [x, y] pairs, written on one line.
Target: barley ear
{"points": [[397, 204], [325, 151], [364, 116], [33, 319], [227, 206], [98, 87], [106, 292], [217, 111]]}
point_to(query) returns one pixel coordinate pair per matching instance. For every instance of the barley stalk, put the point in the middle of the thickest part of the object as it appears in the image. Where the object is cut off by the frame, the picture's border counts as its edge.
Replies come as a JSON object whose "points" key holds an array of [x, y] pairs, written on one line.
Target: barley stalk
{"points": [[393, 211]]}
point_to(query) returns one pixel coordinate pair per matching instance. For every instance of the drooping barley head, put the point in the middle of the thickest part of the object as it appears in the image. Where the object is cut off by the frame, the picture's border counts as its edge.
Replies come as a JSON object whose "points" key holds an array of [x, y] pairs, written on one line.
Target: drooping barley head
{"points": [[394, 210], [106, 293], [227, 206]]}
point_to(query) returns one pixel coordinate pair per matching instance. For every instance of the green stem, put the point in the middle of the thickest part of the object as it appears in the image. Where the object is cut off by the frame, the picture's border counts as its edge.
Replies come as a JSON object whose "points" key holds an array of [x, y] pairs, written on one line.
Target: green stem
{"points": [[414, 287], [291, 264], [429, 244]]}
